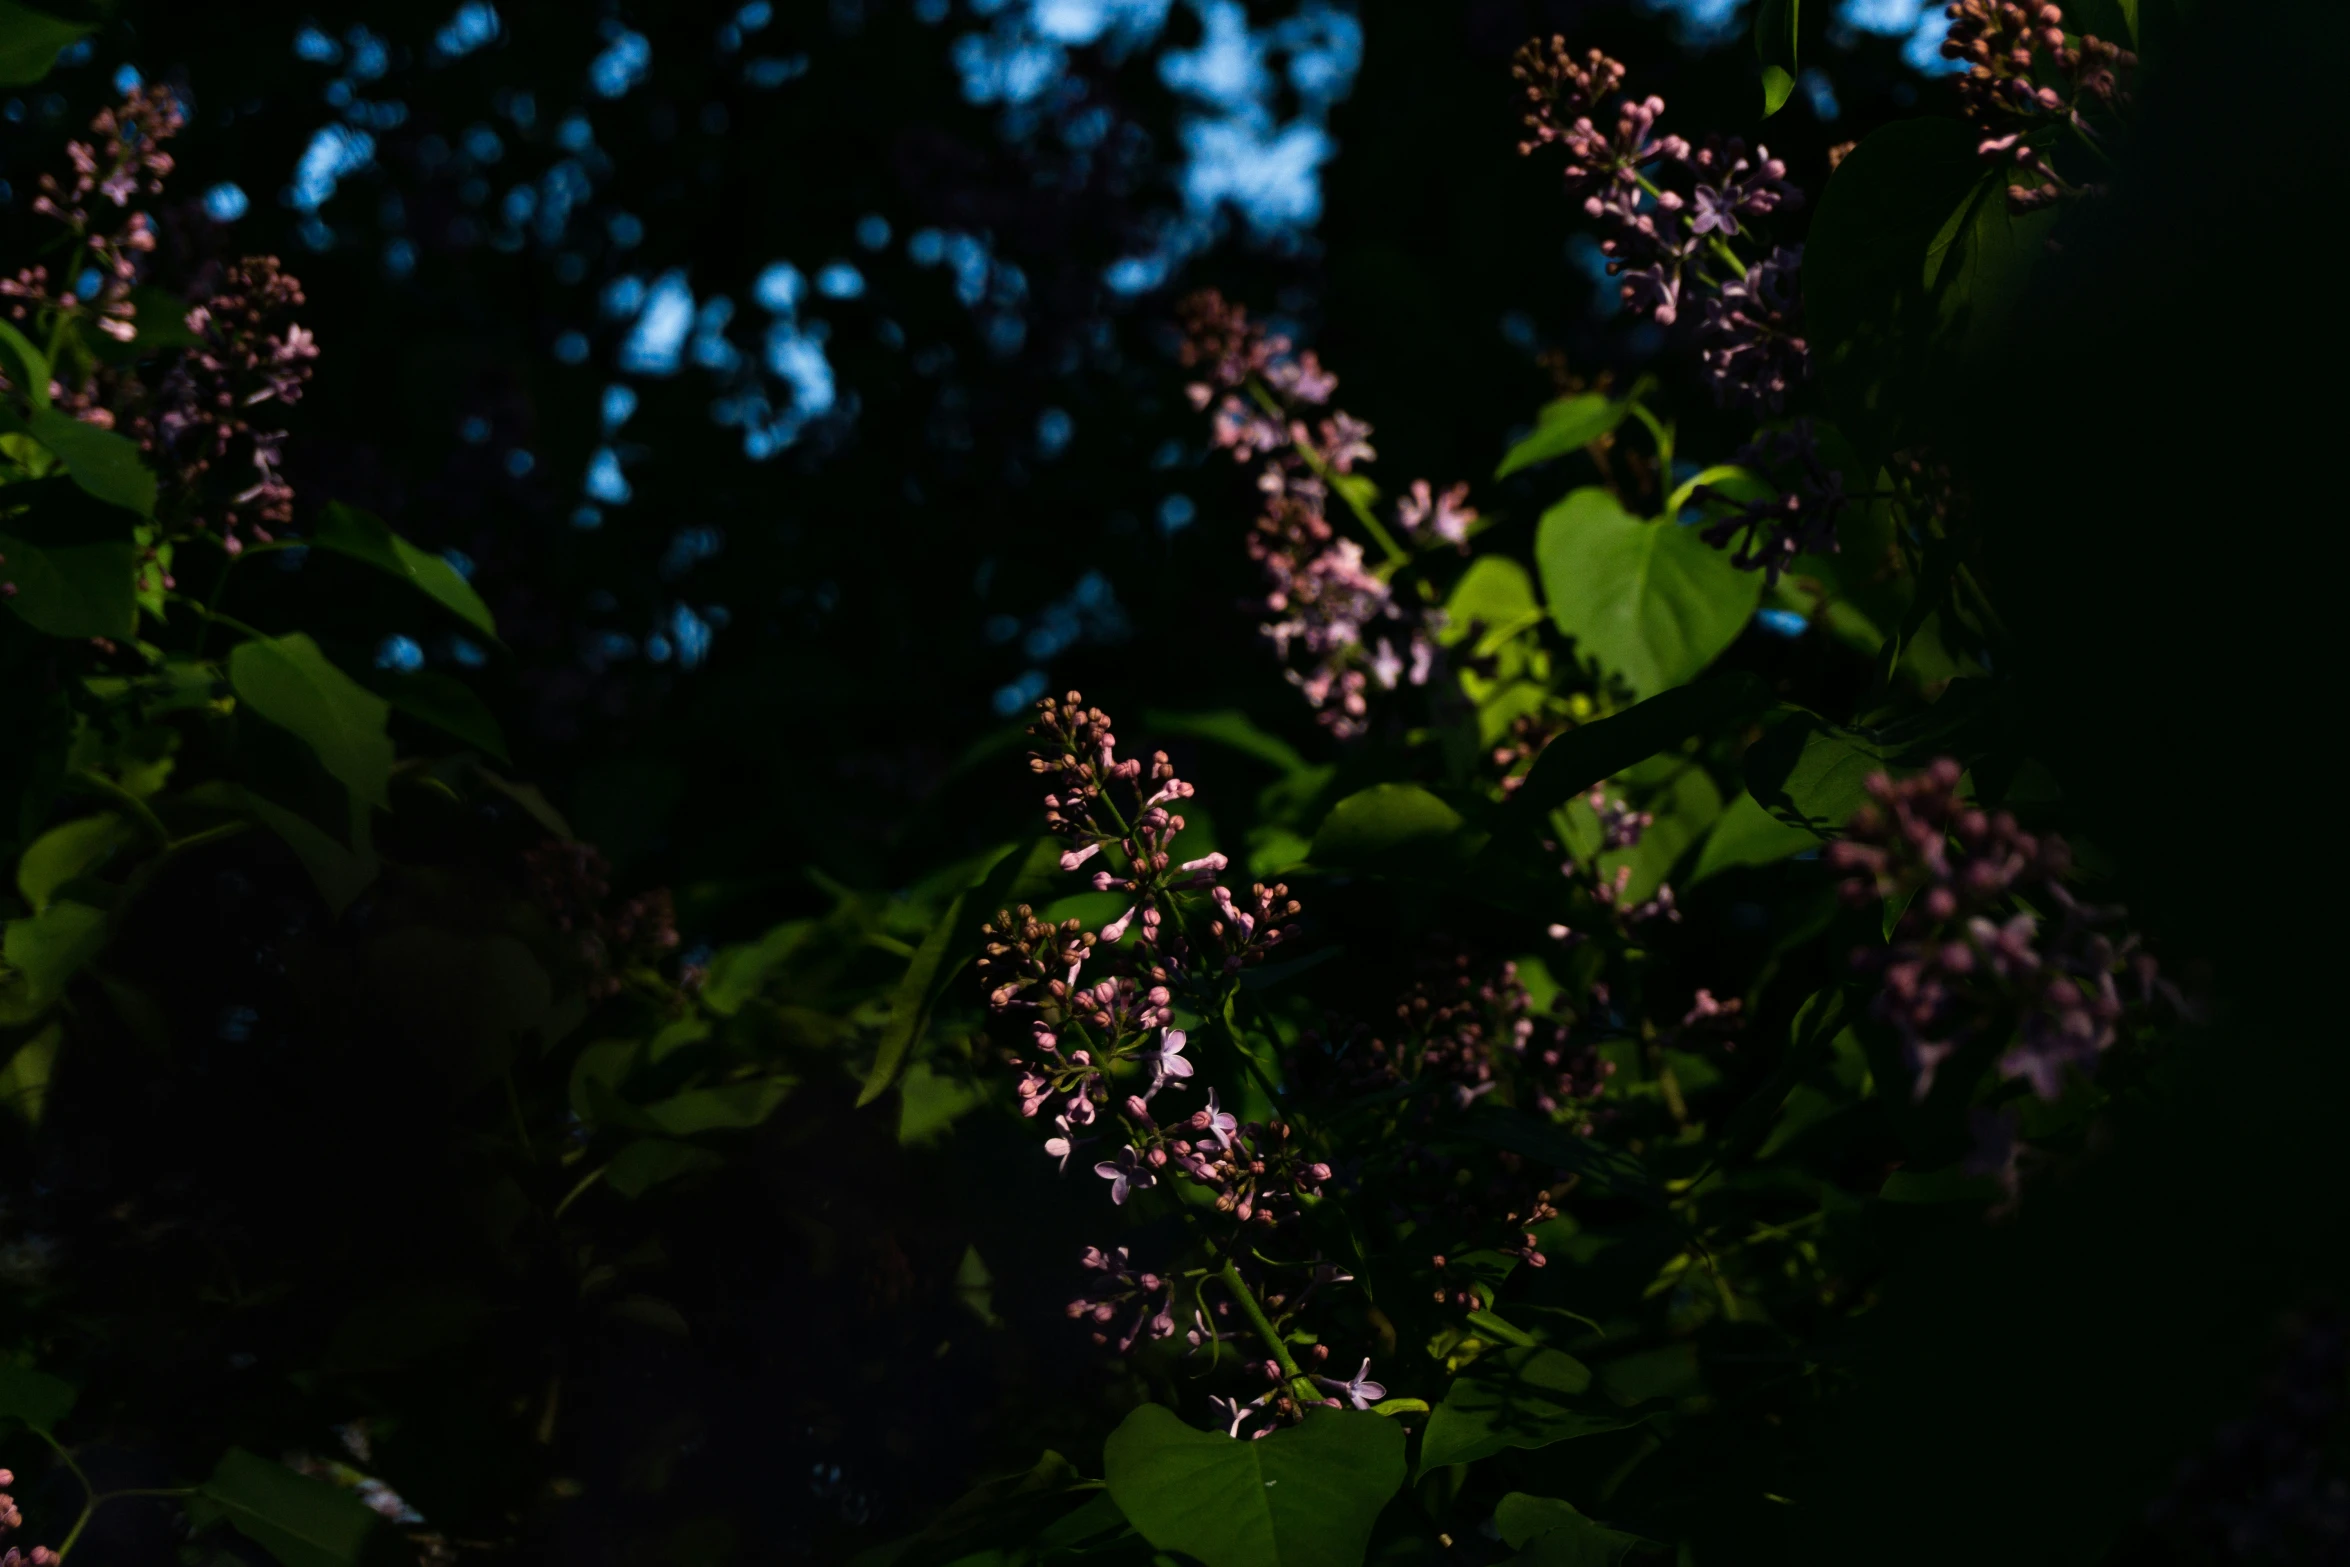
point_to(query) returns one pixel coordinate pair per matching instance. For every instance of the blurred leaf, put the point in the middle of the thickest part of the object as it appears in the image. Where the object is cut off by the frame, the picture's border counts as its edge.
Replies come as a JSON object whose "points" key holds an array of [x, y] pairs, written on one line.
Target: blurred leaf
{"points": [[449, 705], [1775, 36], [73, 590], [1652, 602], [162, 319], [1305, 1496], [366, 537], [1539, 1138], [1517, 1398], [1493, 593], [1231, 728], [739, 972], [24, 1081], [1568, 425], [724, 1108], [20, 361], [1746, 834], [42, 954], [64, 852], [288, 681], [300, 1521], [650, 1161], [1385, 824], [34, 1398], [104, 464], [936, 962], [29, 41], [1552, 1533]]}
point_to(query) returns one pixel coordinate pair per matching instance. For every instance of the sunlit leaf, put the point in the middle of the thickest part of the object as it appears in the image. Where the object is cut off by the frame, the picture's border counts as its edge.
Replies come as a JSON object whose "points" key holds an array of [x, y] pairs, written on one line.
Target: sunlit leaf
{"points": [[1386, 825], [1305, 1496], [1651, 601], [1775, 24], [66, 851], [1567, 425]]}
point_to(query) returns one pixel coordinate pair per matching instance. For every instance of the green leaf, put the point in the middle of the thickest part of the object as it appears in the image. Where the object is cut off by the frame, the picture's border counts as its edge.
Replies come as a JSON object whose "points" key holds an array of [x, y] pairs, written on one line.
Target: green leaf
{"points": [[1542, 1139], [34, 1398], [935, 963], [1552, 1533], [1911, 268], [449, 705], [40, 956], [1493, 594], [650, 1161], [1384, 825], [366, 537], [1652, 602], [75, 848], [1774, 40], [1814, 774], [727, 1107], [73, 590], [288, 681], [24, 1081], [1231, 728], [1305, 1496], [1517, 1398], [1568, 425], [300, 1521], [104, 464], [738, 973], [20, 361], [162, 319], [29, 41], [1592, 752], [1746, 834], [339, 874]]}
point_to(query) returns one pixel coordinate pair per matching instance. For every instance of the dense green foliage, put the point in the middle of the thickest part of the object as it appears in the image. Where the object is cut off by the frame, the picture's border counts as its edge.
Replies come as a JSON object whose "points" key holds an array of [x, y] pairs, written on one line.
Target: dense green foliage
{"points": [[1637, 963]]}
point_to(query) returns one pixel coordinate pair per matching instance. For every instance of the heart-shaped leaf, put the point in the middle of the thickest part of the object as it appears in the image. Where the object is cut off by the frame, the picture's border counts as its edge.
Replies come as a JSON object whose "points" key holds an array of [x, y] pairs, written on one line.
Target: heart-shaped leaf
{"points": [[1651, 601], [1305, 1496], [1518, 1398]]}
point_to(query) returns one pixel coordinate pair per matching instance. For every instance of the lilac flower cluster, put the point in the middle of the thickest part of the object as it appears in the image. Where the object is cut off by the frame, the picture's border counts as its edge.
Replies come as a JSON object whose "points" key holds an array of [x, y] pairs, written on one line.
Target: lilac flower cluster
{"points": [[1103, 1048], [10, 1520], [2007, 99], [1990, 942], [128, 160], [249, 353], [1325, 601], [1767, 535], [572, 883], [1669, 212]]}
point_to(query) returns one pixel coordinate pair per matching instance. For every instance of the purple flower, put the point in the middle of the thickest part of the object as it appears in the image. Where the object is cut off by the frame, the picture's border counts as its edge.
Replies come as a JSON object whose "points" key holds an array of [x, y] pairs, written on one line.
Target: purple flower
{"points": [[1167, 1061], [1359, 1390], [1748, 336], [1127, 1174], [1062, 1145], [1216, 1122]]}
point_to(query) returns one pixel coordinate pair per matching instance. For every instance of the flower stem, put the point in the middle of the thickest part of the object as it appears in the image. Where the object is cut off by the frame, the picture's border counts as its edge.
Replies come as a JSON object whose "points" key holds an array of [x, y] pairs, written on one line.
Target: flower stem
{"points": [[1257, 1319]]}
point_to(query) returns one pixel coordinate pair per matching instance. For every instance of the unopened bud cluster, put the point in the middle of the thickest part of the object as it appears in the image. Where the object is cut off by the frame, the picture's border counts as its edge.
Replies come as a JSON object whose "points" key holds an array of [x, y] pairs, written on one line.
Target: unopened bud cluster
{"points": [[1990, 944]]}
